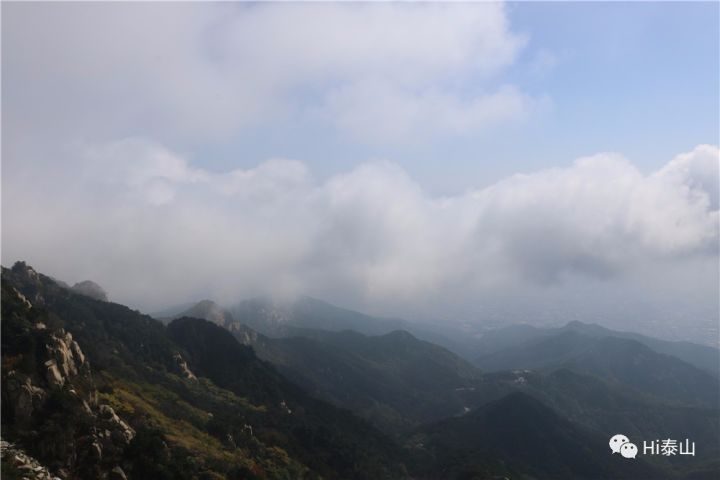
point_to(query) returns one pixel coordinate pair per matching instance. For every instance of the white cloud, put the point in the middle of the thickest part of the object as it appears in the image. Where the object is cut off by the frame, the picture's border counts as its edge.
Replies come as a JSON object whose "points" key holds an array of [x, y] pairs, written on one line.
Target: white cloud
{"points": [[206, 71], [600, 216], [159, 230], [406, 43], [154, 226], [696, 171]]}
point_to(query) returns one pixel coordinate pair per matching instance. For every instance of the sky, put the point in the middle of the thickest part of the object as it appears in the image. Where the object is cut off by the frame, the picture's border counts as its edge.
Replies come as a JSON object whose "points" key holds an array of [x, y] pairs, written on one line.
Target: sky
{"points": [[467, 162]]}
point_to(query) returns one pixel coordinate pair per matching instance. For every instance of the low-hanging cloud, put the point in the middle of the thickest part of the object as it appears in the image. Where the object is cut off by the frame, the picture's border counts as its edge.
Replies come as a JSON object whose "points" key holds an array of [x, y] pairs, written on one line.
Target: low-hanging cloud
{"points": [[154, 230]]}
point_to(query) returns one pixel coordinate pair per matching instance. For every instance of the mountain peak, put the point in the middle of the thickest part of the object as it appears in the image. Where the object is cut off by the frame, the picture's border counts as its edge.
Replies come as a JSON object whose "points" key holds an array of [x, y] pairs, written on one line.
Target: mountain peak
{"points": [[400, 336], [586, 328], [207, 303], [209, 310], [576, 324], [22, 268], [90, 289]]}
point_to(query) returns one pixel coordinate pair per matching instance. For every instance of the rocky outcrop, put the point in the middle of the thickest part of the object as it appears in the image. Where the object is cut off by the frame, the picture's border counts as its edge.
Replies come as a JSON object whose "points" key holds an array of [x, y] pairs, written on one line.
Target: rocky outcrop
{"points": [[22, 268], [243, 334], [113, 427], [22, 298], [65, 358], [90, 289], [49, 401], [32, 283], [16, 462], [183, 367]]}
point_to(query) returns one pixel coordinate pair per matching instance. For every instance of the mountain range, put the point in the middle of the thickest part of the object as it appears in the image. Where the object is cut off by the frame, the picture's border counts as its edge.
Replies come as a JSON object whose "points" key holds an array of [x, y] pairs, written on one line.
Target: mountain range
{"points": [[596, 378], [93, 389], [517, 336]]}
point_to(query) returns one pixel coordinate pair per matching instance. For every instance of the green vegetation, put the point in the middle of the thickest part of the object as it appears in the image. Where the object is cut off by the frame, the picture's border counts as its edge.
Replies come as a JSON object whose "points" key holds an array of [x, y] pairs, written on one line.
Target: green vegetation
{"points": [[238, 417], [325, 438], [395, 381], [519, 437], [230, 424]]}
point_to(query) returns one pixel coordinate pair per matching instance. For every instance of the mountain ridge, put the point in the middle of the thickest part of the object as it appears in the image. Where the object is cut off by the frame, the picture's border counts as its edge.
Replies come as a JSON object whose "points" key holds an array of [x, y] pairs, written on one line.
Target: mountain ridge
{"points": [[618, 360], [186, 426]]}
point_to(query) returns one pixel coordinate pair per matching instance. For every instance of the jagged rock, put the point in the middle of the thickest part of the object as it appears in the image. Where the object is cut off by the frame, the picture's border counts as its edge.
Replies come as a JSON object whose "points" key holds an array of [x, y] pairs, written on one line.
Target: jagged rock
{"points": [[107, 412], [66, 359], [29, 466], [64, 354], [77, 353], [53, 375], [90, 289], [183, 367], [58, 361], [22, 298], [243, 333], [119, 430]]}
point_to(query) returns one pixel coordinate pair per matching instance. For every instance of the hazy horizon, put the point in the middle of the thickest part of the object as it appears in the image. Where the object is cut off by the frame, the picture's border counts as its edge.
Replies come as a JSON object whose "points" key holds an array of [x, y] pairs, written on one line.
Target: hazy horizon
{"points": [[479, 163]]}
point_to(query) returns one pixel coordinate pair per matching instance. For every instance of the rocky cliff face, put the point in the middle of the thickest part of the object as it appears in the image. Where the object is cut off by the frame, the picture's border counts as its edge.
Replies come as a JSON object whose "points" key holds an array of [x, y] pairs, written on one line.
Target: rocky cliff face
{"points": [[243, 334], [49, 401]]}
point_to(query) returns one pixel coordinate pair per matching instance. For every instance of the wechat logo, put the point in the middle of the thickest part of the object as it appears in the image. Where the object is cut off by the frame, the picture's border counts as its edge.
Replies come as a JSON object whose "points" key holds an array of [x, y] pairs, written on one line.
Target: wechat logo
{"points": [[621, 444]]}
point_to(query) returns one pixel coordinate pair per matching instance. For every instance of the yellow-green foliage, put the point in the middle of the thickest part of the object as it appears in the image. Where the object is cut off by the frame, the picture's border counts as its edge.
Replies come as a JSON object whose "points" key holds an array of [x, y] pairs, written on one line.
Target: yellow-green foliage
{"points": [[225, 395], [179, 423], [182, 424]]}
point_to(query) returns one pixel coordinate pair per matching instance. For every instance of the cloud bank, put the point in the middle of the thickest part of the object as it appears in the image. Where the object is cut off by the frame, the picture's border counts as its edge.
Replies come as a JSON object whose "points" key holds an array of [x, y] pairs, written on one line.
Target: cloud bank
{"points": [[153, 229], [124, 125]]}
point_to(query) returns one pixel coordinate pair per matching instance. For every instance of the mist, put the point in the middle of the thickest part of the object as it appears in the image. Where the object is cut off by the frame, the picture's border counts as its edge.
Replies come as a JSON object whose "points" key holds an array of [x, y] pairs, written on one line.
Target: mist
{"points": [[594, 240], [130, 157]]}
